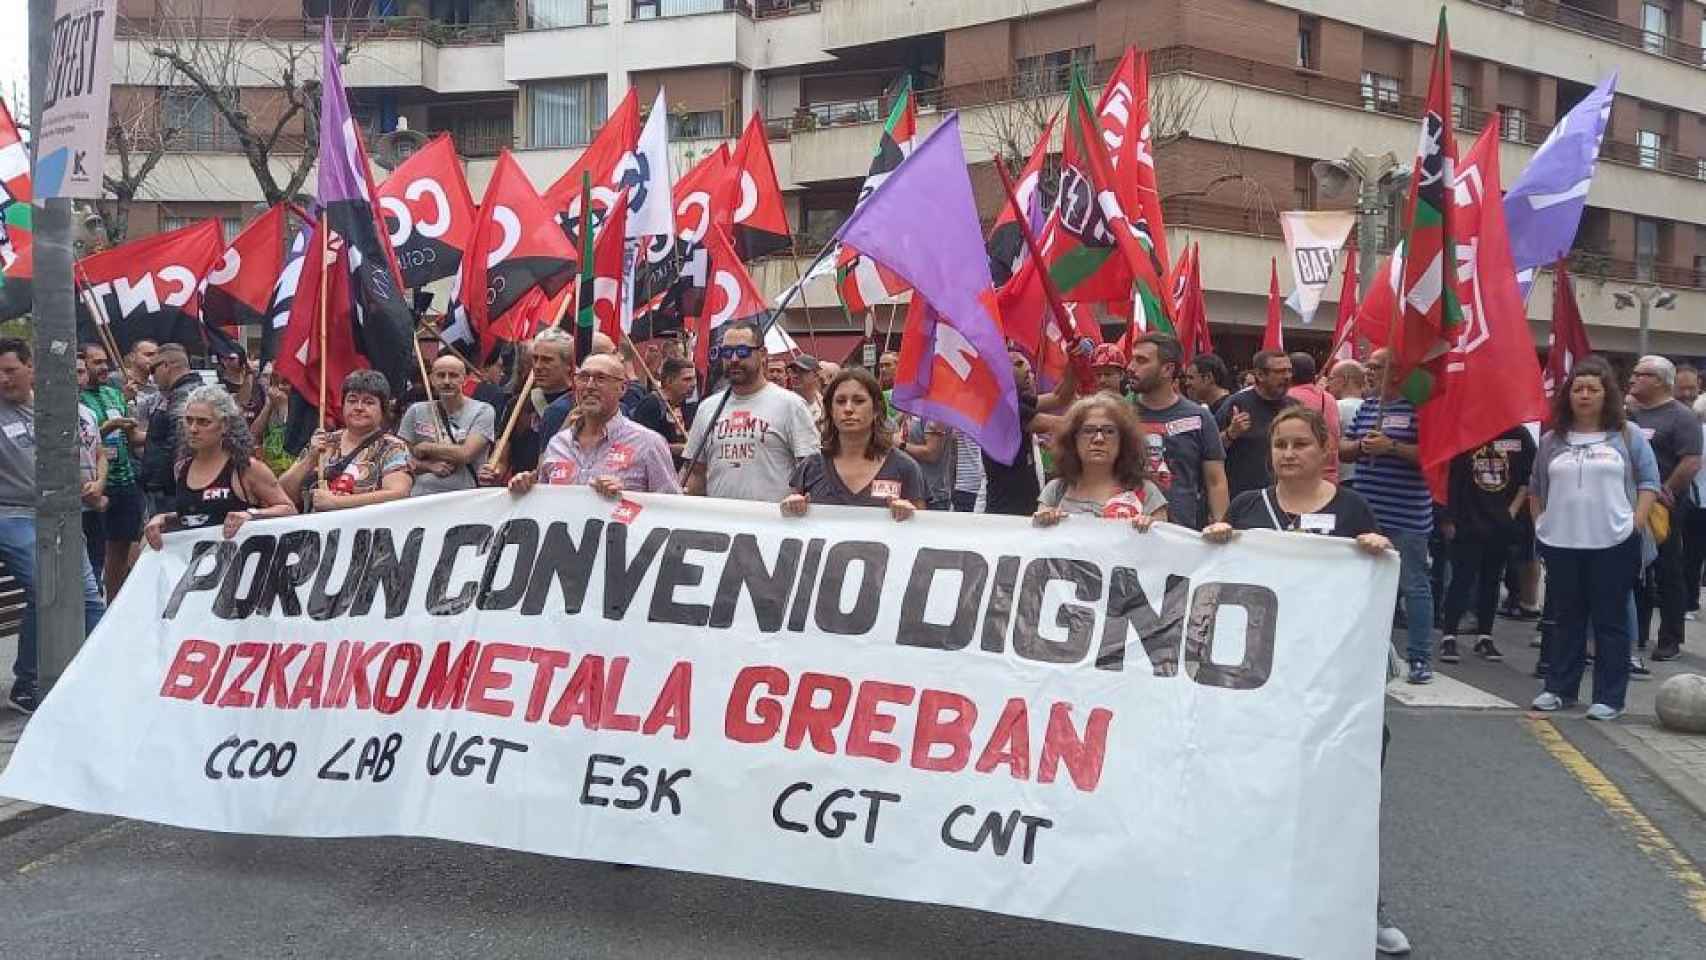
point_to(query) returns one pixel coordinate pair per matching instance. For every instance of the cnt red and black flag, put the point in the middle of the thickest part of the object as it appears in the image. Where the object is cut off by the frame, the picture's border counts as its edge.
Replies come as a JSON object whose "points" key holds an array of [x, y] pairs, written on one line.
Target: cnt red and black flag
{"points": [[238, 290], [149, 288], [751, 207], [428, 213], [518, 248]]}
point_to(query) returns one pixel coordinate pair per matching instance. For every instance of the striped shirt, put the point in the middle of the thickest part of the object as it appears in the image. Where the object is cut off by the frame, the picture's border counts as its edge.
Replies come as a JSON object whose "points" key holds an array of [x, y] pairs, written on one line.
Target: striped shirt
{"points": [[968, 463], [1393, 486]]}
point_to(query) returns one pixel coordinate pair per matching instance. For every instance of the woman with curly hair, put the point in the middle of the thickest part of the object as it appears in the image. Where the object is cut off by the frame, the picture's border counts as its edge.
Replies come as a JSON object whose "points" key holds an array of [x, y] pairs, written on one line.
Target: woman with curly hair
{"points": [[1100, 459], [859, 465], [220, 480]]}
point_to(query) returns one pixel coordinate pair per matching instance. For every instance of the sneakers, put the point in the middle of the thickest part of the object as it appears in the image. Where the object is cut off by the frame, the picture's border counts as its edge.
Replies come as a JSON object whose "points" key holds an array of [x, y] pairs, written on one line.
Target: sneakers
{"points": [[1600, 711], [25, 700], [1548, 702], [1691, 615], [1389, 941], [1638, 670], [1448, 650], [1664, 652], [1420, 672], [1485, 650]]}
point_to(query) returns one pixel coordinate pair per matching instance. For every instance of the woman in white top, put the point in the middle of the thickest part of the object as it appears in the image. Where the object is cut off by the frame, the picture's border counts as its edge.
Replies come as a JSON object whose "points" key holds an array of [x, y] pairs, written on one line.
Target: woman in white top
{"points": [[1101, 460], [1595, 479]]}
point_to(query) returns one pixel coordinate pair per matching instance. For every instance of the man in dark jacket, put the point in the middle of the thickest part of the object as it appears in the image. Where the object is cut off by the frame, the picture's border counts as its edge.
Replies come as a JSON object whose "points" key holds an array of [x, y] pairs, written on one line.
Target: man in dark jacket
{"points": [[172, 374]]}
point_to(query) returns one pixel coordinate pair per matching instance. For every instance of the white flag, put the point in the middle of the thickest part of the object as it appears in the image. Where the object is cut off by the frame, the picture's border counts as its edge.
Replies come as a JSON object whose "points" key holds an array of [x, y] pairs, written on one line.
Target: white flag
{"points": [[1312, 242], [646, 174]]}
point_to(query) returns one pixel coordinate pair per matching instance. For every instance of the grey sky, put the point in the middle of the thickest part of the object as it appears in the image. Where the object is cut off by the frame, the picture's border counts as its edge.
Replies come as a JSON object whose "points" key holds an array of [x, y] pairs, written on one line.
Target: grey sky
{"points": [[14, 52]]}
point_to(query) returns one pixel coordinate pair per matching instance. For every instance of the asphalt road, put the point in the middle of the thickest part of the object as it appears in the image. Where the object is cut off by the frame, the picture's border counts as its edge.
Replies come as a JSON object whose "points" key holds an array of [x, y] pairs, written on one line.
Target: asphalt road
{"points": [[1492, 847]]}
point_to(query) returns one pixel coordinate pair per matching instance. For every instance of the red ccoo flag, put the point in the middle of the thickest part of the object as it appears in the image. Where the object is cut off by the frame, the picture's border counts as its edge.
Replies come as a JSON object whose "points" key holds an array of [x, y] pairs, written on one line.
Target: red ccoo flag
{"points": [[1273, 337], [1569, 334]]}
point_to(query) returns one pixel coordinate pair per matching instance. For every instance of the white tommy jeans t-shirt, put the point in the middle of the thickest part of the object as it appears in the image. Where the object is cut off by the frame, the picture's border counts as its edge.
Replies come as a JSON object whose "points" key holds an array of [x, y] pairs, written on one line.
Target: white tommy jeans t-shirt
{"points": [[755, 443]]}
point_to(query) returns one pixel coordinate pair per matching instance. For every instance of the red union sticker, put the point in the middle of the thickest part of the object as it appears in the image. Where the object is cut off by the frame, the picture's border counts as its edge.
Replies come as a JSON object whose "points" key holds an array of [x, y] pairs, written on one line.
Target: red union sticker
{"points": [[625, 512], [557, 472], [619, 457], [885, 489]]}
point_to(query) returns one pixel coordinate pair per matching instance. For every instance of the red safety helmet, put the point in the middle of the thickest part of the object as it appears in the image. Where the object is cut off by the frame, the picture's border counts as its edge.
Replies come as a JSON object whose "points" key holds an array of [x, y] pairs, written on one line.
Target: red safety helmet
{"points": [[1108, 355]]}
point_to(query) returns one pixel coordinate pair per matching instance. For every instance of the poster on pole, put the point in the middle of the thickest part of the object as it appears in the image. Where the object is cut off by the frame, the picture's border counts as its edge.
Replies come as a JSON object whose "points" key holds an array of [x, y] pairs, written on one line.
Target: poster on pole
{"points": [[70, 135], [1088, 725]]}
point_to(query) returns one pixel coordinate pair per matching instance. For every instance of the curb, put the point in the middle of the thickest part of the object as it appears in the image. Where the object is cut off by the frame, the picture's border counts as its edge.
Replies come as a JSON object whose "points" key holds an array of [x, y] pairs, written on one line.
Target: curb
{"points": [[1688, 788]]}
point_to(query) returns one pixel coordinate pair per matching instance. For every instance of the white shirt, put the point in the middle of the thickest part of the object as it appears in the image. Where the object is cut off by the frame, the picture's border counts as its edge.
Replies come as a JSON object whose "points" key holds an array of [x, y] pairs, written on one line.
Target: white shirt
{"points": [[1587, 499], [754, 443]]}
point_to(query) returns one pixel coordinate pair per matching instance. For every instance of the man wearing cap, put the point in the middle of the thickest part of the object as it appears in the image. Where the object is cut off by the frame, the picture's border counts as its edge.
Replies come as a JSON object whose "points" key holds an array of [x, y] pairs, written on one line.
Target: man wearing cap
{"points": [[240, 382], [808, 383], [1108, 362]]}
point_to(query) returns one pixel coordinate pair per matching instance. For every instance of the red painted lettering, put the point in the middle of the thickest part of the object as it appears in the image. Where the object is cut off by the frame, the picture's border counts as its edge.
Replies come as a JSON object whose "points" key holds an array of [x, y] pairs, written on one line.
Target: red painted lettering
{"points": [[869, 720], [190, 670], [1082, 755], [1010, 743], [608, 718], [953, 730], [736, 726], [807, 717], [546, 664], [674, 706], [489, 679]]}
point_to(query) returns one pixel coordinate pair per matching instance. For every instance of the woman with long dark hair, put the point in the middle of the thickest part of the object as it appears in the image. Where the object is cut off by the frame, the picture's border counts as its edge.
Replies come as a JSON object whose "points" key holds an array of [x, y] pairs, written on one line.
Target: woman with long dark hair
{"points": [[1101, 461], [1595, 480], [220, 480], [858, 465]]}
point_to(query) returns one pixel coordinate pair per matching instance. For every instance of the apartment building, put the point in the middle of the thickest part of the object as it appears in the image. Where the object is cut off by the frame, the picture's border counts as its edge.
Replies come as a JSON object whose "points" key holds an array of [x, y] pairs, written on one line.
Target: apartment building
{"points": [[1247, 95]]}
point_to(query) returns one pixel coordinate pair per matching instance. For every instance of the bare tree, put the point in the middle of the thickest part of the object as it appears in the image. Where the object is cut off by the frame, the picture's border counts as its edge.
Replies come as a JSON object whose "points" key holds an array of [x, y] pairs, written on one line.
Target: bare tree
{"points": [[138, 144]]}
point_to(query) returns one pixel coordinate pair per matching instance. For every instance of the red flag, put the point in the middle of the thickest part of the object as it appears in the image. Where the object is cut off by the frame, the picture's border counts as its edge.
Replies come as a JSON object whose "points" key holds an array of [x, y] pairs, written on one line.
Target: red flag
{"points": [[1569, 334], [1273, 337], [1432, 314], [607, 269], [1344, 331], [238, 290], [149, 288], [1189, 309], [1489, 382], [429, 213], [1199, 304], [516, 247], [1123, 116], [618, 138], [730, 294], [15, 193], [751, 207], [299, 348]]}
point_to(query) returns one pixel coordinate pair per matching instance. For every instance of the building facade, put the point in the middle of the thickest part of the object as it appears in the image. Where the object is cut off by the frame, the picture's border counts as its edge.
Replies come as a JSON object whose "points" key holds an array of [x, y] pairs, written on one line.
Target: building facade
{"points": [[1246, 96]]}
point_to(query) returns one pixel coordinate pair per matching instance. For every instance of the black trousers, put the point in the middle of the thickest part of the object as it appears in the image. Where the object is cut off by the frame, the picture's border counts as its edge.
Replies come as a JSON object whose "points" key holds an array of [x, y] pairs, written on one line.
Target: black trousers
{"points": [[1477, 565], [1662, 589], [1694, 556]]}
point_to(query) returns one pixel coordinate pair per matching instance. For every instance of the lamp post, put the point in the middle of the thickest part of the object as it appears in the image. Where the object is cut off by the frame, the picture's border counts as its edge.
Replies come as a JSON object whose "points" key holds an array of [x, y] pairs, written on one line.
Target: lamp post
{"points": [[1646, 298], [1378, 180]]}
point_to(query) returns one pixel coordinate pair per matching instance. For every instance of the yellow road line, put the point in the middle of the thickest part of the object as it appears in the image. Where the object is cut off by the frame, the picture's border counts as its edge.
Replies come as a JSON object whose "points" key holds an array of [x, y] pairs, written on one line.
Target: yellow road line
{"points": [[1648, 836], [70, 848]]}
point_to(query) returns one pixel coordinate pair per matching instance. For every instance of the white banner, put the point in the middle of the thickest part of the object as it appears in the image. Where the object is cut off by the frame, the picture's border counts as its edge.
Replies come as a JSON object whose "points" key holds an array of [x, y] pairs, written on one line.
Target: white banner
{"points": [[1312, 241], [71, 133], [1136, 732]]}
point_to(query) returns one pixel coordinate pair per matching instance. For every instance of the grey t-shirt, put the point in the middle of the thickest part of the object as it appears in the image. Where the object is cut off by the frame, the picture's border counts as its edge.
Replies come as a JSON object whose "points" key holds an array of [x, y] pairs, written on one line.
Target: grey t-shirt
{"points": [[938, 476], [756, 442], [898, 477], [421, 423], [17, 460], [1181, 438], [1672, 430]]}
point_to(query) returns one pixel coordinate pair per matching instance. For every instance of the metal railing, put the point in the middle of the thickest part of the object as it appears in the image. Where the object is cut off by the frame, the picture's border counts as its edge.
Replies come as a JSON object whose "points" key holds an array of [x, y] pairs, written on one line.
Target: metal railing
{"points": [[354, 30], [664, 9], [1605, 28], [1601, 266]]}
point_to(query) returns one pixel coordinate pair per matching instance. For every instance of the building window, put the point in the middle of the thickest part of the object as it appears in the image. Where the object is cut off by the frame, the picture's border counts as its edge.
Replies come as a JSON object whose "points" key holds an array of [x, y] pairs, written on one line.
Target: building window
{"points": [[1459, 105], [565, 113], [698, 125], [1649, 144], [655, 9], [192, 117], [229, 227], [168, 224], [482, 135], [1309, 43], [1655, 27], [1646, 248], [1052, 72], [1379, 91], [553, 14], [1513, 124]]}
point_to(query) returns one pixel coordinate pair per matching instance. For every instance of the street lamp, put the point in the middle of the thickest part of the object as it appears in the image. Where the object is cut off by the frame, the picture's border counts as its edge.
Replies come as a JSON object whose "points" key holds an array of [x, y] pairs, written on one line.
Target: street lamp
{"points": [[1378, 179], [1647, 298]]}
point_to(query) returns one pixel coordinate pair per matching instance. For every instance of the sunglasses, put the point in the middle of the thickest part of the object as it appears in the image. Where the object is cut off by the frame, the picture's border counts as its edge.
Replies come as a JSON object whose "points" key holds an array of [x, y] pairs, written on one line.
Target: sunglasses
{"points": [[741, 352]]}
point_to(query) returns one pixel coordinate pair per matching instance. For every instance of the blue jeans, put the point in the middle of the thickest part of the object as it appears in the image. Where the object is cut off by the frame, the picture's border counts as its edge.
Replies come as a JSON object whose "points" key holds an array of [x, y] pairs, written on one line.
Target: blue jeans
{"points": [[1593, 590], [1416, 585], [18, 553]]}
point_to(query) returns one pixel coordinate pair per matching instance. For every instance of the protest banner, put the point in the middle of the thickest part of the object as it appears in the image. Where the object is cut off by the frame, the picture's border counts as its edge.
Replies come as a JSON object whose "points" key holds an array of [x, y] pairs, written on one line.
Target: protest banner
{"points": [[71, 133], [1137, 732]]}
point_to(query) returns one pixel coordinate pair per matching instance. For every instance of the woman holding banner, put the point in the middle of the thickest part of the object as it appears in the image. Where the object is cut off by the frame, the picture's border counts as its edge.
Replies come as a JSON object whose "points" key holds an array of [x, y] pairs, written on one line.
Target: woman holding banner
{"points": [[1102, 463], [357, 466], [1303, 500], [220, 480], [858, 465]]}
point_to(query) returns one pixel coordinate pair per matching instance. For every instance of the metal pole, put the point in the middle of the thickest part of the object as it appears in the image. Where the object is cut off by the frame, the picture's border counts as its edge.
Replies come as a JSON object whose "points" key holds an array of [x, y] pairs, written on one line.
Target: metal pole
{"points": [[59, 520], [1368, 246], [1646, 298]]}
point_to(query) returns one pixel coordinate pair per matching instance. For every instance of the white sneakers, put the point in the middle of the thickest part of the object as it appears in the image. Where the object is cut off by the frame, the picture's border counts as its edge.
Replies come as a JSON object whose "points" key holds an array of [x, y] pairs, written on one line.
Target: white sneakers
{"points": [[1390, 941], [1600, 711], [1548, 702]]}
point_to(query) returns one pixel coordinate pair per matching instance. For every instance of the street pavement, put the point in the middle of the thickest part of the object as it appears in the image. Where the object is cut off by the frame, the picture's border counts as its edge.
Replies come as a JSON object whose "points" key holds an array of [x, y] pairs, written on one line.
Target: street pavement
{"points": [[1504, 834]]}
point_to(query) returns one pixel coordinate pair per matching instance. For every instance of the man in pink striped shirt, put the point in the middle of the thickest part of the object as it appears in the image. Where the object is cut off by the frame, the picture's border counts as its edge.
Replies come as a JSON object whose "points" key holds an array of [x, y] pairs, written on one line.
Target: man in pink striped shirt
{"points": [[600, 448]]}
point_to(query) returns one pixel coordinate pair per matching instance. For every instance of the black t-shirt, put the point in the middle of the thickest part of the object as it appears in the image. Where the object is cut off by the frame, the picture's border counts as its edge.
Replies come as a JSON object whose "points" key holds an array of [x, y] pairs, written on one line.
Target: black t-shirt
{"points": [[899, 476], [527, 442], [1485, 480], [1346, 515], [1248, 462], [1013, 489], [653, 414], [1673, 431]]}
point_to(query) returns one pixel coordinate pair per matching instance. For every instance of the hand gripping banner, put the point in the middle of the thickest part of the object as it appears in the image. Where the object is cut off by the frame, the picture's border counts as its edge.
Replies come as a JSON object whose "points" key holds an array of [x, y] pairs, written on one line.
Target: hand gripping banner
{"points": [[1135, 732]]}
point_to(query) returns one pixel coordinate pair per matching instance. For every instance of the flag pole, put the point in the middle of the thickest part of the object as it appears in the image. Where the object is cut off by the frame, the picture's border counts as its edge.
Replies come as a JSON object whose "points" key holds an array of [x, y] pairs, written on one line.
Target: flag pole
{"points": [[501, 448], [800, 280], [1050, 291], [322, 321], [763, 332], [588, 274], [97, 314]]}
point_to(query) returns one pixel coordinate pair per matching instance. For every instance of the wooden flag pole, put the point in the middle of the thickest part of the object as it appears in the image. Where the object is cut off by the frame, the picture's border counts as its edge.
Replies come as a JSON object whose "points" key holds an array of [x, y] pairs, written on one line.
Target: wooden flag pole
{"points": [[98, 316], [322, 321], [800, 279], [501, 449]]}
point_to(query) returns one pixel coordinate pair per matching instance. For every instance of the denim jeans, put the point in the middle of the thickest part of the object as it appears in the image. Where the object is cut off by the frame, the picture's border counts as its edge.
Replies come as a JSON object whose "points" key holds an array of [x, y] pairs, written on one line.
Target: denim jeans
{"points": [[1592, 588], [18, 553], [1415, 583]]}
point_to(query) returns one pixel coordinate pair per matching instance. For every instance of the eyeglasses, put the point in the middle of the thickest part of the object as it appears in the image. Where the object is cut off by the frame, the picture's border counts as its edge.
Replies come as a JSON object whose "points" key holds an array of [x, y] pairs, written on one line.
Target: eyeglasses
{"points": [[740, 352], [586, 376], [1104, 432], [1644, 373]]}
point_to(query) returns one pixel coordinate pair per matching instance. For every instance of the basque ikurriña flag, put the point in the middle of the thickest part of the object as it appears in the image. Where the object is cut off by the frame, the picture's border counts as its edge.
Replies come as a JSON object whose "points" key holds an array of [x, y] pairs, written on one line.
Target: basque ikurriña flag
{"points": [[16, 257], [922, 224], [380, 320]]}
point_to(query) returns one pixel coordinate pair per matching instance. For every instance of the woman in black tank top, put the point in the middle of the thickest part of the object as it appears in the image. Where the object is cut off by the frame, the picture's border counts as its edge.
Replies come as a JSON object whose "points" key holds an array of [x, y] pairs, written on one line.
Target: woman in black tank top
{"points": [[220, 482]]}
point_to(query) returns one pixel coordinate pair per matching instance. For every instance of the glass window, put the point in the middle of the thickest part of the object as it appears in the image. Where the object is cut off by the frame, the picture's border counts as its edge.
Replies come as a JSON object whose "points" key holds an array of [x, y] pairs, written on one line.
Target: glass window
{"points": [[1052, 72], [1307, 56], [1379, 91], [552, 14], [1649, 144], [1646, 248], [192, 117], [1459, 105], [698, 125], [653, 9], [1513, 124], [1655, 27], [230, 227], [565, 113]]}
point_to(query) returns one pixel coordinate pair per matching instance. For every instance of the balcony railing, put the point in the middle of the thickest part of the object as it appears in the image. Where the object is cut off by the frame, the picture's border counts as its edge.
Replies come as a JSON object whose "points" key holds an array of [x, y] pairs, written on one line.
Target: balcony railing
{"points": [[1602, 267], [287, 28], [1605, 28], [664, 9]]}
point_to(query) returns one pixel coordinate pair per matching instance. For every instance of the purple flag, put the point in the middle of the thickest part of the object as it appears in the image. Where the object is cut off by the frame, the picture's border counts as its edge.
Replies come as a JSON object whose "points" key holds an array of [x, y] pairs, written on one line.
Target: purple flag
{"points": [[383, 322], [1544, 207], [921, 223]]}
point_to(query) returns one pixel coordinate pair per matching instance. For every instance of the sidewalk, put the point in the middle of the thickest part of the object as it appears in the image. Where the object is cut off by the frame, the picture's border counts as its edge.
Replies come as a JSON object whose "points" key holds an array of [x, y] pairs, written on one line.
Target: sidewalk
{"points": [[11, 727]]}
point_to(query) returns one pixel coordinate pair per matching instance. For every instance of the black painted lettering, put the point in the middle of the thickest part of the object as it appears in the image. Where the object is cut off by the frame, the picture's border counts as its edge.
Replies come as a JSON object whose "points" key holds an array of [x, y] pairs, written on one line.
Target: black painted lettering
{"points": [[208, 561], [523, 535], [807, 586], [776, 816], [325, 606], [973, 572], [675, 572], [1260, 606], [766, 588], [565, 563], [293, 565], [458, 538], [385, 568], [873, 561], [1078, 619], [1129, 609], [596, 780], [999, 616], [621, 578]]}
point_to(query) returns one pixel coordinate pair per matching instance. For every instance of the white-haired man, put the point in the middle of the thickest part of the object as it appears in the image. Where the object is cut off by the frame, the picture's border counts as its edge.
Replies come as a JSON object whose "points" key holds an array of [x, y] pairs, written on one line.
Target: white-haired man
{"points": [[1674, 434]]}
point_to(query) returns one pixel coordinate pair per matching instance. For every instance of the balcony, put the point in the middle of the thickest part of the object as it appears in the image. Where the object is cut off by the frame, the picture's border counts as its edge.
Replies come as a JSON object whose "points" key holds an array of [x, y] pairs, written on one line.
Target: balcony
{"points": [[360, 30], [664, 9], [1605, 28]]}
